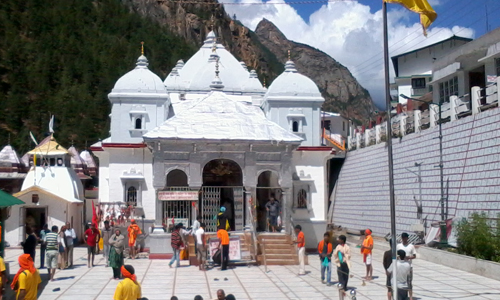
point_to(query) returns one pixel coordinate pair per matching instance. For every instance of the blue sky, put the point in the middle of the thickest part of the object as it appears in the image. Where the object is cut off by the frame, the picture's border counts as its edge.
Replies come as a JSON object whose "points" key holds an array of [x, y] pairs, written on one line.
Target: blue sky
{"points": [[350, 31], [466, 13]]}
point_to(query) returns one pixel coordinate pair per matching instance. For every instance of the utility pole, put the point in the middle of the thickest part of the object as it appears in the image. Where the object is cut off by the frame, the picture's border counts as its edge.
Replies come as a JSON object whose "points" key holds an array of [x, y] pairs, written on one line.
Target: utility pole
{"points": [[443, 241]]}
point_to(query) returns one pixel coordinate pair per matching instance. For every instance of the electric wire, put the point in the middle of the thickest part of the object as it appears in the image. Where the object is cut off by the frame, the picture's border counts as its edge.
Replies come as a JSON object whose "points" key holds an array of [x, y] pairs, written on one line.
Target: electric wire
{"points": [[374, 64]]}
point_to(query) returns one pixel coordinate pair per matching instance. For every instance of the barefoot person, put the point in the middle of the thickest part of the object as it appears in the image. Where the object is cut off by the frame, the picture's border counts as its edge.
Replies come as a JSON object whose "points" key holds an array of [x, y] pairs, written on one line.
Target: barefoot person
{"points": [[325, 250], [366, 250], [133, 232], [411, 254], [53, 242], [301, 246], [201, 253], [117, 244], [128, 288], [342, 255], [92, 237], [26, 280]]}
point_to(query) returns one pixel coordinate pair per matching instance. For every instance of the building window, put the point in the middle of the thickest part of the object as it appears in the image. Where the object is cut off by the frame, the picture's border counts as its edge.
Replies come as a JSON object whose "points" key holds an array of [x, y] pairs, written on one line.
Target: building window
{"points": [[138, 123], [302, 199], [179, 211], [131, 198], [418, 83], [497, 65], [295, 126], [447, 89]]}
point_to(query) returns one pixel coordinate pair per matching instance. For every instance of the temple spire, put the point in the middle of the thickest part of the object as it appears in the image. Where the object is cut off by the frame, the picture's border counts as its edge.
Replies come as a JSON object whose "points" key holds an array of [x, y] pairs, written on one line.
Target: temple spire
{"points": [[142, 48]]}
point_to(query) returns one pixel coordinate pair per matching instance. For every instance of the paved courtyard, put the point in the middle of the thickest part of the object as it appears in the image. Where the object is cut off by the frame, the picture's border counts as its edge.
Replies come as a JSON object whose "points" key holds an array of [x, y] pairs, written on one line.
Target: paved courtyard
{"points": [[431, 281]]}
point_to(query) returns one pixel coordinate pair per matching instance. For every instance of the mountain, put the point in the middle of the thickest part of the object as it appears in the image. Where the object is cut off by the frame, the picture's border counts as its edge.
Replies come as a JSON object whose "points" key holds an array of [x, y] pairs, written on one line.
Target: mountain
{"points": [[342, 92], [62, 58], [264, 50]]}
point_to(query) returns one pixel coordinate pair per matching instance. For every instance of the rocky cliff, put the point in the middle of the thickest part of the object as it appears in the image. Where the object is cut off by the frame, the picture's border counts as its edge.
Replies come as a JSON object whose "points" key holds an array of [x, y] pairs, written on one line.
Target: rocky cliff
{"points": [[264, 50]]}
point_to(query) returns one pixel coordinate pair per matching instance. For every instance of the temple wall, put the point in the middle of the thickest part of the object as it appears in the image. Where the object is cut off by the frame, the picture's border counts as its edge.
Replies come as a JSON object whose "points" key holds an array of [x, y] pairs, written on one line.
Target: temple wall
{"points": [[471, 155]]}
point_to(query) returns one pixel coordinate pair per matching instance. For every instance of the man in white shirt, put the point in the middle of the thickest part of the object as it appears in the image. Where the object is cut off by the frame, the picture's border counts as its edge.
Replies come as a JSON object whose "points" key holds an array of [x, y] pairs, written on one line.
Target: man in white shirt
{"points": [[200, 245], [69, 235], [402, 271], [411, 254]]}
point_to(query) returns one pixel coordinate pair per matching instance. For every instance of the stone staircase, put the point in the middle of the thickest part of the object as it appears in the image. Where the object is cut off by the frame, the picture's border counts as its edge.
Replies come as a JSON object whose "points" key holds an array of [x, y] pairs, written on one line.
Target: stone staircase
{"points": [[275, 249]]}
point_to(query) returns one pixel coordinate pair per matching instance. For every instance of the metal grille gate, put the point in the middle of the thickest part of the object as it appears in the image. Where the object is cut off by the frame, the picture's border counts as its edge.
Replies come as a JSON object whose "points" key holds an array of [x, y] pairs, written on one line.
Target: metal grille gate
{"points": [[210, 206]]}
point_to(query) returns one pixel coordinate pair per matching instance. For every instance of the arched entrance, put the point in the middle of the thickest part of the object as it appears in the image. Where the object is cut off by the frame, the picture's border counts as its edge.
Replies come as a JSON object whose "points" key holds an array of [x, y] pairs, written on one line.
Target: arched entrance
{"points": [[222, 186], [267, 187], [177, 200]]}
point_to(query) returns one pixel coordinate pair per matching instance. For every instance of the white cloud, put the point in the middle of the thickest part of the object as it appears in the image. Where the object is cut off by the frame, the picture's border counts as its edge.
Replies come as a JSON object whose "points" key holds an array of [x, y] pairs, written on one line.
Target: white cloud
{"points": [[350, 33]]}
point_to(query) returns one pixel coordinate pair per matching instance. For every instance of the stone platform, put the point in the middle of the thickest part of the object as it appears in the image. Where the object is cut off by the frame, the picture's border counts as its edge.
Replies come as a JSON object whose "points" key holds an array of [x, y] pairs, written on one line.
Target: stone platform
{"points": [[431, 281]]}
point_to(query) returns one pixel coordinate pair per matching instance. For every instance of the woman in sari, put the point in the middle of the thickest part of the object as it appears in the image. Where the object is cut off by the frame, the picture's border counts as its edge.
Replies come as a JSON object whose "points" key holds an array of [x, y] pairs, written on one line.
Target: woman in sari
{"points": [[116, 242]]}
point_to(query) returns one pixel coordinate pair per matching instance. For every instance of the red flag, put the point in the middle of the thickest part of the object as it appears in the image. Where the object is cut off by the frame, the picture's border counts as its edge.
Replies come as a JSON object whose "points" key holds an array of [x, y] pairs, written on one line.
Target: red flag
{"points": [[94, 215]]}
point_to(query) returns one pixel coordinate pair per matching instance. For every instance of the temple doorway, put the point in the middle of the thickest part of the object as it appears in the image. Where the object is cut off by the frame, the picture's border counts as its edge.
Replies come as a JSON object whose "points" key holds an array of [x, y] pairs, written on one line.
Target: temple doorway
{"points": [[222, 187], [267, 187]]}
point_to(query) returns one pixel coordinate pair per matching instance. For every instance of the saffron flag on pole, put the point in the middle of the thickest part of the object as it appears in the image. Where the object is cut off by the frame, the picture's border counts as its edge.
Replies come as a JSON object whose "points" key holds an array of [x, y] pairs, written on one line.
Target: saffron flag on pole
{"points": [[422, 7], [94, 215]]}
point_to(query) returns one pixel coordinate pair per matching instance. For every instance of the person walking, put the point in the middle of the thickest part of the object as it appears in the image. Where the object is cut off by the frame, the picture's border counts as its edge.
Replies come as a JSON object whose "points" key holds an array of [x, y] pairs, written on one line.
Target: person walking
{"points": [[201, 251], [43, 245], [196, 226], [224, 246], [61, 238], [301, 246], [342, 255], [366, 250], [411, 254], [273, 209], [387, 261], [117, 245], [106, 232], [70, 237], [129, 288], [27, 279], [92, 237], [29, 245], [402, 271], [176, 243], [325, 250], [133, 231], [53, 242]]}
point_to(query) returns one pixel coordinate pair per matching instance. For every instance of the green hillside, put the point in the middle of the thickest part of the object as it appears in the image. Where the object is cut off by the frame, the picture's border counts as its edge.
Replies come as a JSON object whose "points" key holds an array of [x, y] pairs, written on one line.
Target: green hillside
{"points": [[63, 57]]}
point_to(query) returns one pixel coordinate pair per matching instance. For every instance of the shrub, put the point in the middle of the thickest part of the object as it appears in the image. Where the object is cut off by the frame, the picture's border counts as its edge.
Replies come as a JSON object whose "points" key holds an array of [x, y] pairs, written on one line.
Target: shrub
{"points": [[475, 237]]}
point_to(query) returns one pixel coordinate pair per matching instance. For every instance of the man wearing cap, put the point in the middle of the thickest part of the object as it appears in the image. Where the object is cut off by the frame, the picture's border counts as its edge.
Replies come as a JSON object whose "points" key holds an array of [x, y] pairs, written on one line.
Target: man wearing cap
{"points": [[133, 231], [366, 250], [411, 254], [222, 221]]}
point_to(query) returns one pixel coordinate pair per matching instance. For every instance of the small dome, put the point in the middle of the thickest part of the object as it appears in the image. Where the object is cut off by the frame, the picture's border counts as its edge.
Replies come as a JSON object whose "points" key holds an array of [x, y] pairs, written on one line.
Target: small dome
{"points": [[292, 83], [139, 80], [253, 85]]}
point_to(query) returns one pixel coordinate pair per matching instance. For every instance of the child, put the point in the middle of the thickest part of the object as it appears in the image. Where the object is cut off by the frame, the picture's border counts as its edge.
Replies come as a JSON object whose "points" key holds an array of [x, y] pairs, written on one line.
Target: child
{"points": [[325, 251], [366, 250]]}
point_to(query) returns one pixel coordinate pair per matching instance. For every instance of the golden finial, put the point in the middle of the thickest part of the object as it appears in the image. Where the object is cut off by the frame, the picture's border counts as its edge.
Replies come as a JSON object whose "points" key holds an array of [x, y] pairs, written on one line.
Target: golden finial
{"points": [[142, 48], [214, 46], [288, 54], [264, 82]]}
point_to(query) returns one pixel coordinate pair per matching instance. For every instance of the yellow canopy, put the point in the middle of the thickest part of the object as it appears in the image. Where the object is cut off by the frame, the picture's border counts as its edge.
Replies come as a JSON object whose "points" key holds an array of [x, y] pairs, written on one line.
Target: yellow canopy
{"points": [[49, 147]]}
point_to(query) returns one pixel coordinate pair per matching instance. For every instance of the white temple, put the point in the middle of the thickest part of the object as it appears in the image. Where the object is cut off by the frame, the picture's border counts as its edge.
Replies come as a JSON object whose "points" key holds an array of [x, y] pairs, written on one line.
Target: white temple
{"points": [[210, 135]]}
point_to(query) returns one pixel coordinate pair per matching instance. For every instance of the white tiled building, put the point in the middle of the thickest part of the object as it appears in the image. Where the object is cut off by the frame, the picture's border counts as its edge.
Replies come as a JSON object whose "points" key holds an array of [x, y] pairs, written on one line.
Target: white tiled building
{"points": [[212, 135]]}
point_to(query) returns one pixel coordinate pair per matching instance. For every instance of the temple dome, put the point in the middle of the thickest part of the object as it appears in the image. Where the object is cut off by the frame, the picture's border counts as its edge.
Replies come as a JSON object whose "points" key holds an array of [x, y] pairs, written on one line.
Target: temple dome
{"points": [[197, 73], [139, 80], [292, 83]]}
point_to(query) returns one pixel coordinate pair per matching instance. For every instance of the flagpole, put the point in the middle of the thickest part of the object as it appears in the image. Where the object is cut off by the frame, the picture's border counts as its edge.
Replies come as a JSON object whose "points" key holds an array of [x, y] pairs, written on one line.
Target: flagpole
{"points": [[389, 150]]}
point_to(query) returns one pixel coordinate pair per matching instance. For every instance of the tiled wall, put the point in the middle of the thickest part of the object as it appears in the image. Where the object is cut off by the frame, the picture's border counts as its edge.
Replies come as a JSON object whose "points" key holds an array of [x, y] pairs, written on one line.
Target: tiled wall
{"points": [[471, 149]]}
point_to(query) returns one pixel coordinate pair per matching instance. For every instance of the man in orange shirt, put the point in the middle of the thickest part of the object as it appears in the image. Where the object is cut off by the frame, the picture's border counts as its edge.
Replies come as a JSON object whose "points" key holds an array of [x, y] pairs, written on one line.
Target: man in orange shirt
{"points": [[301, 245], [366, 250], [224, 246]]}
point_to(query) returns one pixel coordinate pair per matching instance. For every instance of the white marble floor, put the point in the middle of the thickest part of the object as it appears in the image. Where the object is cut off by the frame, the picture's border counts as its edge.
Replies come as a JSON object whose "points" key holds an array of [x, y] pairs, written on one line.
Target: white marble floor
{"points": [[431, 281]]}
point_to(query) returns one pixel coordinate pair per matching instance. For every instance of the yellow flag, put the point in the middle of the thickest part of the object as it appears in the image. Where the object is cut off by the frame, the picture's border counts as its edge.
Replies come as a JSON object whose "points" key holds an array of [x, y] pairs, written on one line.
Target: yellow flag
{"points": [[422, 7]]}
